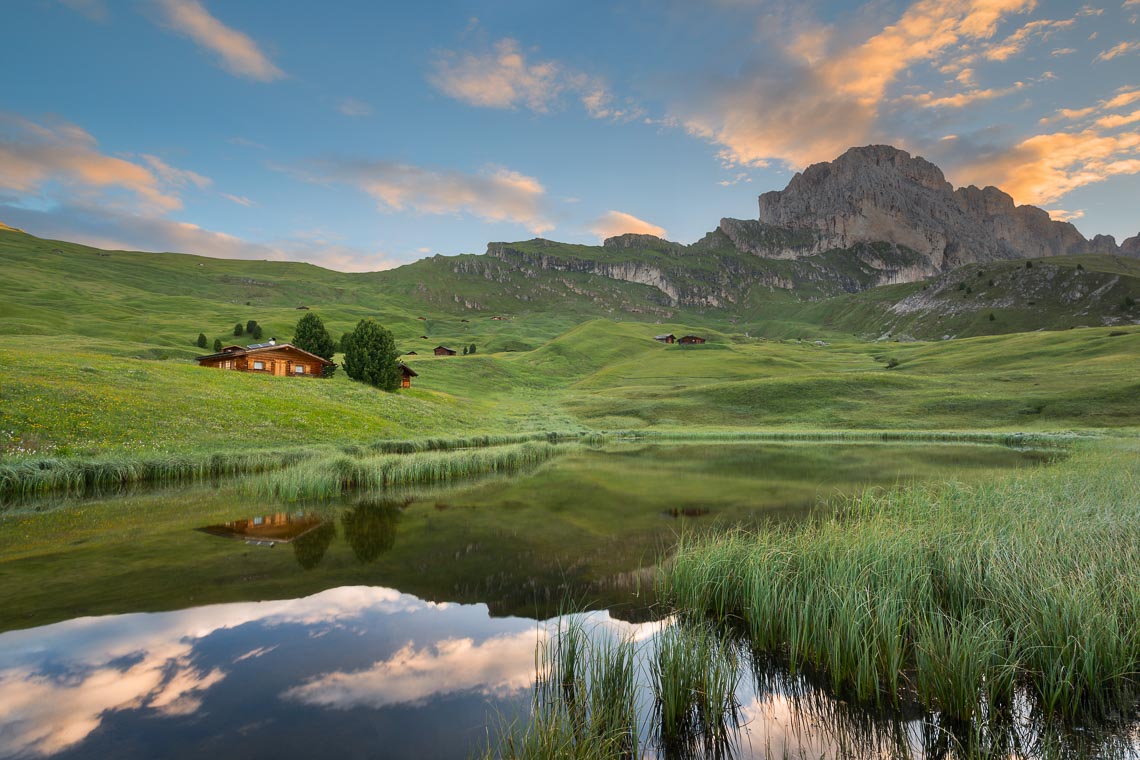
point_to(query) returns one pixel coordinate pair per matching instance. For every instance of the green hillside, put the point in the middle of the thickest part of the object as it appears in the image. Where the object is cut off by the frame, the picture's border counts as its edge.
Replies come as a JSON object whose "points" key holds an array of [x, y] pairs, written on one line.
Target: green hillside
{"points": [[96, 353]]}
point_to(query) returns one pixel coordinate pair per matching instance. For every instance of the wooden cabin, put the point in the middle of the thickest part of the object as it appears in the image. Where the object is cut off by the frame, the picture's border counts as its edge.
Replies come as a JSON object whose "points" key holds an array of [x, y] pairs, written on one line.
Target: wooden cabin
{"points": [[270, 358], [670, 338], [689, 340], [408, 374], [444, 351]]}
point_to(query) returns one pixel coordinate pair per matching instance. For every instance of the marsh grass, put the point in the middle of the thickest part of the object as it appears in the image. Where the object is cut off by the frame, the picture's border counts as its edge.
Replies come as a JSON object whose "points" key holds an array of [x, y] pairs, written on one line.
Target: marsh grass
{"points": [[24, 477], [695, 677], [956, 594], [333, 475]]}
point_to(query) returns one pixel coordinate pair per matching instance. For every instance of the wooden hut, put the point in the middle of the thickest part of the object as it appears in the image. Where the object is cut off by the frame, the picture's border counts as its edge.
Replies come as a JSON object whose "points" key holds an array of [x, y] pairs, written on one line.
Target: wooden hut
{"points": [[270, 358], [670, 338], [689, 340], [444, 351], [408, 374]]}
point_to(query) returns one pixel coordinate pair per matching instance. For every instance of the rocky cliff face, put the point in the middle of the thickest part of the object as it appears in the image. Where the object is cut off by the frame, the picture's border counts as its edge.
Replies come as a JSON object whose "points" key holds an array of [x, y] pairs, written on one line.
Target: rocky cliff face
{"points": [[881, 194]]}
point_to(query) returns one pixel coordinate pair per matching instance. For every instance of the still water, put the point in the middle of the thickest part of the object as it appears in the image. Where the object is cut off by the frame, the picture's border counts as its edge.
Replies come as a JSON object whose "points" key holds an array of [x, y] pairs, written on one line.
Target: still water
{"points": [[186, 622]]}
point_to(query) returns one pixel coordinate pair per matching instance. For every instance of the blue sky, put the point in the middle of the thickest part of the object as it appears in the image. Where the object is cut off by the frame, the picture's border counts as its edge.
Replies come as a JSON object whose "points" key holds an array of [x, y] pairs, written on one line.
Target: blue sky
{"points": [[361, 135]]}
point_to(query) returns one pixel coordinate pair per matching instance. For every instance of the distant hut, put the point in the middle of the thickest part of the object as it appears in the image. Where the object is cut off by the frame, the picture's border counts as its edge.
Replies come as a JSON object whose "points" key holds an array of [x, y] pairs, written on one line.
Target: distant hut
{"points": [[689, 340], [670, 338], [444, 351], [411, 353], [408, 373]]}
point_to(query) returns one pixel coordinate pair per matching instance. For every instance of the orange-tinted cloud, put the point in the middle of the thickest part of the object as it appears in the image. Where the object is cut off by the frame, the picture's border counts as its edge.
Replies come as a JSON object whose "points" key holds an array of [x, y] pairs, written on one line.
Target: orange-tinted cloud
{"points": [[33, 154], [496, 194], [619, 223], [1118, 50], [498, 78], [236, 51], [1044, 168]]}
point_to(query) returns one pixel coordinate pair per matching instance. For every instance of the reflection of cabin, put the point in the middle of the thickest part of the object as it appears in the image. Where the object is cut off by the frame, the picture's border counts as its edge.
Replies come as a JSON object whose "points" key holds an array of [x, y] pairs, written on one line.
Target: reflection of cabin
{"points": [[408, 374], [444, 351], [271, 358], [689, 340], [670, 338], [279, 528]]}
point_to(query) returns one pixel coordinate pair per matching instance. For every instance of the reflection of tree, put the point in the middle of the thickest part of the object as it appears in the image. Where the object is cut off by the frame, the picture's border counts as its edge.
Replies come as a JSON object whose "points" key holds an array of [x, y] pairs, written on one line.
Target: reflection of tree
{"points": [[310, 548], [370, 527]]}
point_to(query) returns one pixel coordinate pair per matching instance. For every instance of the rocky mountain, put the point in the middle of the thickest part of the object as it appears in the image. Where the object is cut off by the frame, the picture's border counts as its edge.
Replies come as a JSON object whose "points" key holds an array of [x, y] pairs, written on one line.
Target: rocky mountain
{"points": [[878, 193]]}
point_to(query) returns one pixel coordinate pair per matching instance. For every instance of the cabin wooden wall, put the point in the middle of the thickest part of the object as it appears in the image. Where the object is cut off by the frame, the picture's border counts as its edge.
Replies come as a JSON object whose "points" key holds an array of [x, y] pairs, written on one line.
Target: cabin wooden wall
{"points": [[280, 362]]}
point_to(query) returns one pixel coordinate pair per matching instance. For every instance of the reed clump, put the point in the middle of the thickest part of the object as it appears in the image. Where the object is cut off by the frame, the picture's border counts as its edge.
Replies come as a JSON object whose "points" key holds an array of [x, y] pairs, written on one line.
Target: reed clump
{"points": [[958, 595], [337, 474]]}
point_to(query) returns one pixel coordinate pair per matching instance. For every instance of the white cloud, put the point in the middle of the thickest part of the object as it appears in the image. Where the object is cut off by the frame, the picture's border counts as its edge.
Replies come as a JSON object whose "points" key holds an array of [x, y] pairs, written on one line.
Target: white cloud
{"points": [[354, 107], [496, 194], [614, 223], [1118, 50], [240, 200], [236, 51]]}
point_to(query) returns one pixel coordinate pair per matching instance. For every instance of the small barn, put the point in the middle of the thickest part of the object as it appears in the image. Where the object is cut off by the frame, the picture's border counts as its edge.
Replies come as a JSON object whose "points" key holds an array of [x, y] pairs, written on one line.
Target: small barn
{"points": [[670, 338], [689, 340], [408, 373], [270, 358], [444, 351]]}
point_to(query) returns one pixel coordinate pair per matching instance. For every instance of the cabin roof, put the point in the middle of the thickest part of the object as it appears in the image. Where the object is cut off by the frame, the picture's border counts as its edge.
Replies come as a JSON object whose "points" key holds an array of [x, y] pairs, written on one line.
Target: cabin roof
{"points": [[408, 370], [256, 348], [445, 348], [663, 337]]}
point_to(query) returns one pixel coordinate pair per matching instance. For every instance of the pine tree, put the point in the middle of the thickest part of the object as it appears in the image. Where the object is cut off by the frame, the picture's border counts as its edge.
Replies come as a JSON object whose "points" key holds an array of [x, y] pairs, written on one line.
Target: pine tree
{"points": [[370, 356], [472, 349], [250, 325], [255, 333], [201, 340], [217, 345], [311, 335], [238, 330]]}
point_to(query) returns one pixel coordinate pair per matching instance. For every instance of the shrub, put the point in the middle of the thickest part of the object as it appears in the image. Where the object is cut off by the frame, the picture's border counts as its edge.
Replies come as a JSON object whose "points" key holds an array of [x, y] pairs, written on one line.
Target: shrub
{"points": [[1029, 265], [238, 330], [256, 333], [201, 340], [217, 345], [472, 349], [992, 317], [250, 325], [892, 363]]}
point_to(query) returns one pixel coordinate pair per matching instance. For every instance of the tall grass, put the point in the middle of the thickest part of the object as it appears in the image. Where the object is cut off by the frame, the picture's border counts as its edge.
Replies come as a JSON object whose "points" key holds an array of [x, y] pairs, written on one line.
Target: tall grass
{"points": [[956, 594], [584, 700], [25, 477], [331, 476]]}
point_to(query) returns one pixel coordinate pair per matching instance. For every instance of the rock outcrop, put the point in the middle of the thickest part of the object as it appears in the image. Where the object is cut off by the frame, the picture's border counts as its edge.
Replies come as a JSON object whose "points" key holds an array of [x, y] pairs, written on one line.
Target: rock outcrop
{"points": [[879, 193]]}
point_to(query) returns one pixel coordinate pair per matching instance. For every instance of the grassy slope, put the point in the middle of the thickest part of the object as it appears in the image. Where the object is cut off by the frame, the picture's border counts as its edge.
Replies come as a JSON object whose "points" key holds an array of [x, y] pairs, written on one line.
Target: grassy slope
{"points": [[75, 323]]}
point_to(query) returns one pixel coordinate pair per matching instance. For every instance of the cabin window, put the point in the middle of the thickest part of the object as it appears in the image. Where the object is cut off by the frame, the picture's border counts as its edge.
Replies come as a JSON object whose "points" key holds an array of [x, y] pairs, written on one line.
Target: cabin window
{"points": [[228, 364], [299, 369], [259, 365]]}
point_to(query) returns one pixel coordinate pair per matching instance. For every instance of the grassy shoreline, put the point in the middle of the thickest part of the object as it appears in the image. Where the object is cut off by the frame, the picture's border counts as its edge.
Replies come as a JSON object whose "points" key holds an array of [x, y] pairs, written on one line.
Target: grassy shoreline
{"points": [[31, 475]]}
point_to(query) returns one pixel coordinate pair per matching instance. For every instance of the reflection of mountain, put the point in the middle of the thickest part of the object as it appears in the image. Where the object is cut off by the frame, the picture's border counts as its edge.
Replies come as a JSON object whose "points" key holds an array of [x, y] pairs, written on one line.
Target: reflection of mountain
{"points": [[310, 548], [370, 527], [278, 528]]}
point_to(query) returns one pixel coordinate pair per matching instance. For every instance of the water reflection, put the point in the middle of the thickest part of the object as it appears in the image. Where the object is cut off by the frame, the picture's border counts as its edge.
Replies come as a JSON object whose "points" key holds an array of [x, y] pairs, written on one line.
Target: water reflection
{"points": [[310, 548], [370, 526], [275, 528]]}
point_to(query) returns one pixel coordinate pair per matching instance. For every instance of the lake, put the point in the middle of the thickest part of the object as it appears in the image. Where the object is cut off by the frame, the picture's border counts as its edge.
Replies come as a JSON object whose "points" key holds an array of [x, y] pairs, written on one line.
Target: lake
{"points": [[192, 621]]}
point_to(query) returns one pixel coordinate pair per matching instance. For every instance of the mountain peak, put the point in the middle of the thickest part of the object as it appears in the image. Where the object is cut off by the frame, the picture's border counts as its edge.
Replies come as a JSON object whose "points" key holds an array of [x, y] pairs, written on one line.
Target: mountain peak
{"points": [[881, 194]]}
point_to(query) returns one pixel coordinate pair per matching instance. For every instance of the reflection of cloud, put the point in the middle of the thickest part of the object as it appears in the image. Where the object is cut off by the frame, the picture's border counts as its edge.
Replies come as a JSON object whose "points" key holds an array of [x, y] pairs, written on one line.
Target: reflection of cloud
{"points": [[44, 715], [501, 666], [41, 713]]}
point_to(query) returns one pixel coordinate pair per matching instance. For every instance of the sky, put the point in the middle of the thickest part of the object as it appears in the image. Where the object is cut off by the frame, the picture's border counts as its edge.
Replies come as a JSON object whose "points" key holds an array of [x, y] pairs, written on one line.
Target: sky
{"points": [[359, 135]]}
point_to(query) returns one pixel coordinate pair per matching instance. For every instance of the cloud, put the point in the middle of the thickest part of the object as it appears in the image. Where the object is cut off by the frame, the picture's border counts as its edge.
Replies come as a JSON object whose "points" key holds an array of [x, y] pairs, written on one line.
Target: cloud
{"points": [[240, 200], [961, 99], [1065, 216], [237, 52], [1062, 51], [1044, 168], [34, 155], [1015, 43], [614, 223], [498, 78], [354, 107], [811, 92], [496, 194], [1118, 50], [1118, 120], [104, 227], [503, 77], [96, 10]]}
